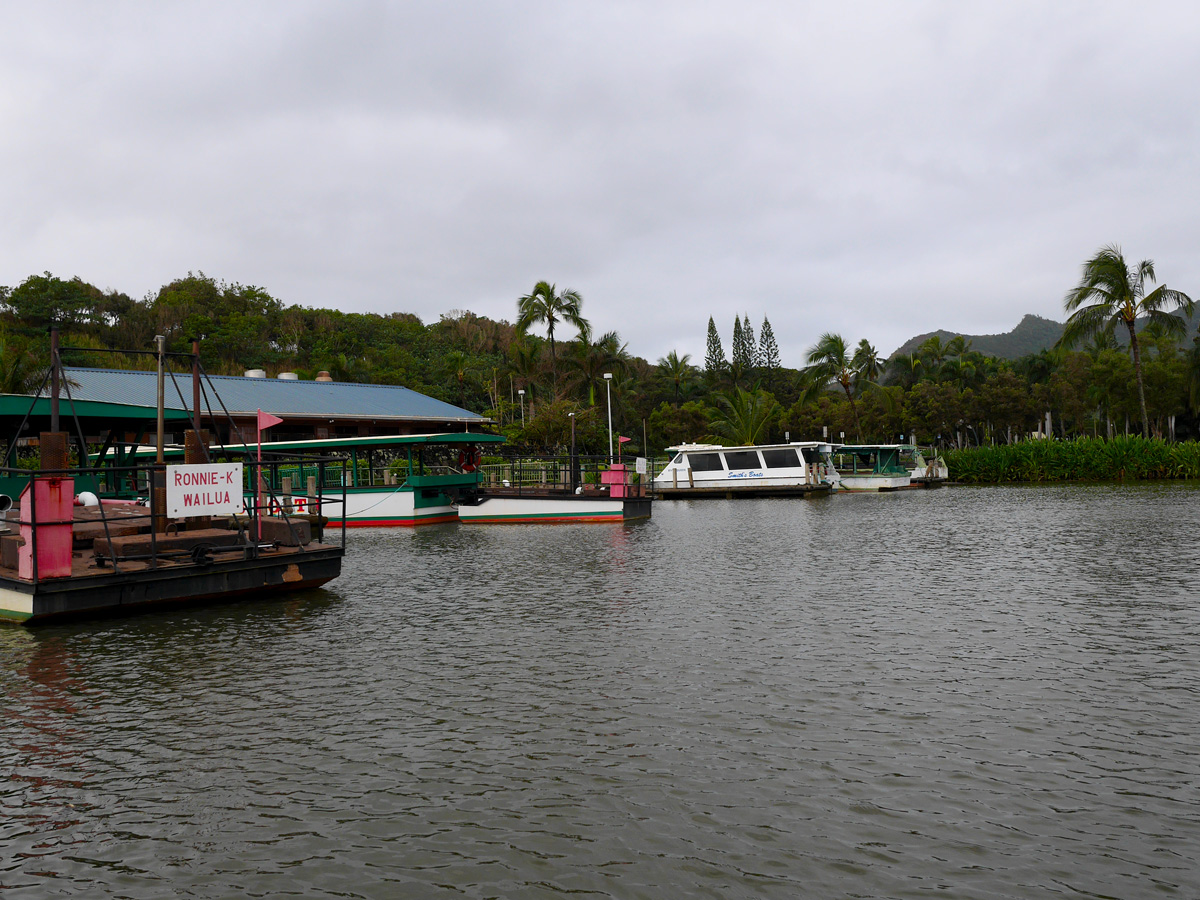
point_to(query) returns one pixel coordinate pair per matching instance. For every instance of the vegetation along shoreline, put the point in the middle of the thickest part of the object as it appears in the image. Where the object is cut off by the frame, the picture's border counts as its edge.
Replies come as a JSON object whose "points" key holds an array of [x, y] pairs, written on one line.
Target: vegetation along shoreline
{"points": [[1127, 360]]}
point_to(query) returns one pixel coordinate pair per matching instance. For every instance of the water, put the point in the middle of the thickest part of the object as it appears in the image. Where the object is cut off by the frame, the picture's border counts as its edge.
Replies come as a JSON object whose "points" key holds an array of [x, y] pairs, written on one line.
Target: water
{"points": [[972, 693]]}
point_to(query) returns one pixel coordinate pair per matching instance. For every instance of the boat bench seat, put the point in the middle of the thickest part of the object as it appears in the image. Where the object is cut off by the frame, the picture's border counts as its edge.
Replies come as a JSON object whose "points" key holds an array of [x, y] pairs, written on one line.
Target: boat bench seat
{"points": [[277, 531], [139, 544], [84, 534]]}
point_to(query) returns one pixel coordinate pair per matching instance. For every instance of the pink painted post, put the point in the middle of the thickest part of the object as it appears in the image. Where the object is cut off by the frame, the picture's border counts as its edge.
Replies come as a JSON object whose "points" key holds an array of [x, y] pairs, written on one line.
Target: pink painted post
{"points": [[614, 477], [55, 507]]}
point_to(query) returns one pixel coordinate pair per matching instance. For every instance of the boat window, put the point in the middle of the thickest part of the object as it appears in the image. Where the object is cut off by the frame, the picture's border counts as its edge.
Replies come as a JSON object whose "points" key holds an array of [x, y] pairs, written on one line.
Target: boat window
{"points": [[742, 459], [705, 462], [678, 460], [781, 459], [811, 455]]}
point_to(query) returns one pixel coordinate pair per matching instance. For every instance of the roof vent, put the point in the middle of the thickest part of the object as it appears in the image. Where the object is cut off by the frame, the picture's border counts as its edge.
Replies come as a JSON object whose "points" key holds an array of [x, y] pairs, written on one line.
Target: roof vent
{"points": [[256, 373], [288, 376], [324, 376]]}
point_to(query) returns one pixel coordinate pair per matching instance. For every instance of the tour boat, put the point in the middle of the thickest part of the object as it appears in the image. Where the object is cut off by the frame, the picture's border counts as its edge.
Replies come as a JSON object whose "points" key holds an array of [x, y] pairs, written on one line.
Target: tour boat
{"points": [[797, 468], [869, 467], [406, 480]]}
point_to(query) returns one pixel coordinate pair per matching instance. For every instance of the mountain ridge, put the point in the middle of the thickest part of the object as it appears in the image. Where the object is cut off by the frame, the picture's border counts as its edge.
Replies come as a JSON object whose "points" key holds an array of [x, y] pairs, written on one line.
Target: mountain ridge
{"points": [[1031, 335]]}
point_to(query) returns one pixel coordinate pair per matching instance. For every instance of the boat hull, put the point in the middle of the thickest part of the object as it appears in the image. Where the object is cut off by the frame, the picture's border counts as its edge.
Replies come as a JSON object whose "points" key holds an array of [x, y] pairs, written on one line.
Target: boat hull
{"points": [[528, 510], [27, 603], [387, 506], [862, 484]]}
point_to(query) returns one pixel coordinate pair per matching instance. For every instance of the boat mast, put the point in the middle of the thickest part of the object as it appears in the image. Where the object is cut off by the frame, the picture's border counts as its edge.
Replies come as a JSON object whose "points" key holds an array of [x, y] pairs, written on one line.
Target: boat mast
{"points": [[160, 343]]}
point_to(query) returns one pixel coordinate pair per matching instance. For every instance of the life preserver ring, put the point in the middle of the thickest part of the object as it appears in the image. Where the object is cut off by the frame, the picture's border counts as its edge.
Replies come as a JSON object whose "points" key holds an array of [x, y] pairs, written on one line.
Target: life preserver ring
{"points": [[469, 458]]}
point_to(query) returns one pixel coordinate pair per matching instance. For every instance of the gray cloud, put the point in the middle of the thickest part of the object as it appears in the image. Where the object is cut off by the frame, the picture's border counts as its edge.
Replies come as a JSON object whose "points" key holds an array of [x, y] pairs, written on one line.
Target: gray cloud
{"points": [[873, 169]]}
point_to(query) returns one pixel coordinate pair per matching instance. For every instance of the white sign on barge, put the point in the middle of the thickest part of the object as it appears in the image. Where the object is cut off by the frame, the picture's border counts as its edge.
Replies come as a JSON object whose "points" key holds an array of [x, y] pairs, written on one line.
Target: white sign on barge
{"points": [[208, 489]]}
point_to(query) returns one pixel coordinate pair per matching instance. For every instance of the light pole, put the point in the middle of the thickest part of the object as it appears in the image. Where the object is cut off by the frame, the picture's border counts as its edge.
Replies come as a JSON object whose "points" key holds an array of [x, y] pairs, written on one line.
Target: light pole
{"points": [[521, 394], [574, 458], [608, 391]]}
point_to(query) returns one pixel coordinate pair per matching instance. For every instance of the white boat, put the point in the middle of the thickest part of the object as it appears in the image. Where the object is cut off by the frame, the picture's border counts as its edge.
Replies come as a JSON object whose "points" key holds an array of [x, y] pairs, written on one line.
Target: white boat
{"points": [[869, 467], [798, 468]]}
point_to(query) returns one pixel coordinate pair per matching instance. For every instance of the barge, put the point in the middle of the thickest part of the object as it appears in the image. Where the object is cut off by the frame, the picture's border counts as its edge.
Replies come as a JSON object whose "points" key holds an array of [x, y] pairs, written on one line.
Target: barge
{"points": [[71, 545]]}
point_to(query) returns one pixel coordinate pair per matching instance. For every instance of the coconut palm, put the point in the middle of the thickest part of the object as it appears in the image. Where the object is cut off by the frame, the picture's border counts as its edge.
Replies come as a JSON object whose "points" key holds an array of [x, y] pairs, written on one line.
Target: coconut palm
{"points": [[745, 418], [19, 370], [830, 362], [905, 370], [677, 371], [587, 363], [867, 365], [1115, 294], [546, 305]]}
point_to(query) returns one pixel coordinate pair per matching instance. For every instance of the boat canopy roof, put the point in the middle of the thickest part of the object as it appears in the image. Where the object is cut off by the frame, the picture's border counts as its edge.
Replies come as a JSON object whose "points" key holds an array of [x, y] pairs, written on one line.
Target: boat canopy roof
{"points": [[701, 448], [375, 442]]}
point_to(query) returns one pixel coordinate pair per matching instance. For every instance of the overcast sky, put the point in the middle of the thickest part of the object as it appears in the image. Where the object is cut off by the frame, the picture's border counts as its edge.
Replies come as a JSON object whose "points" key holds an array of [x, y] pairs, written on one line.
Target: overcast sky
{"points": [[874, 169]]}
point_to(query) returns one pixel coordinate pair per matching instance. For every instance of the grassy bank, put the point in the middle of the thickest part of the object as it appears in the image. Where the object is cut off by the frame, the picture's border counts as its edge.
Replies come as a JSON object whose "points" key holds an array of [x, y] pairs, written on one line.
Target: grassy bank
{"points": [[1082, 459]]}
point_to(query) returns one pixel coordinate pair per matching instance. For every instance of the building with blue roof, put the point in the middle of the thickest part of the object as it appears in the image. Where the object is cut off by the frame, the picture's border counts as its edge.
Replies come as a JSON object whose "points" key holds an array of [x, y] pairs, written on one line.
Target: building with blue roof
{"points": [[309, 409]]}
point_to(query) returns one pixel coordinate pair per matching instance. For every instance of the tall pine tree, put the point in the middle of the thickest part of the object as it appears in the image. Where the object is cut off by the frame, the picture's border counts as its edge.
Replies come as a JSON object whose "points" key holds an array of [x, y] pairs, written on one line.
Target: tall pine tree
{"points": [[768, 352], [752, 360], [737, 356], [714, 357]]}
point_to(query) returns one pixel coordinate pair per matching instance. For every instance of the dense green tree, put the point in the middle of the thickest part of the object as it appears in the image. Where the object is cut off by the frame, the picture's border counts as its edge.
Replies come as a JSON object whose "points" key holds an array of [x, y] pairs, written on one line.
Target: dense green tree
{"points": [[669, 425], [1112, 293], [42, 300]]}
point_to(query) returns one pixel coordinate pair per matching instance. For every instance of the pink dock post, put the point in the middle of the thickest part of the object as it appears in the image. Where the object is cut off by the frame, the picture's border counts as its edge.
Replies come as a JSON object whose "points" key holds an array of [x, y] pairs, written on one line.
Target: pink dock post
{"points": [[53, 501], [614, 477]]}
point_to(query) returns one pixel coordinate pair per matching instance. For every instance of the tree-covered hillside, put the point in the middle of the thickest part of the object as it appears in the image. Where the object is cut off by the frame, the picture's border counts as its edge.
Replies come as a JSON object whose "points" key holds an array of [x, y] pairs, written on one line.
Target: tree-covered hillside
{"points": [[946, 389]]}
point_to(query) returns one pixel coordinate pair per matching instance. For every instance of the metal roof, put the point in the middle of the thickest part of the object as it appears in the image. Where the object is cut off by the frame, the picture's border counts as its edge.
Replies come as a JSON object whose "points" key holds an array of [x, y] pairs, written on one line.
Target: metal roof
{"points": [[292, 399], [347, 443], [17, 405]]}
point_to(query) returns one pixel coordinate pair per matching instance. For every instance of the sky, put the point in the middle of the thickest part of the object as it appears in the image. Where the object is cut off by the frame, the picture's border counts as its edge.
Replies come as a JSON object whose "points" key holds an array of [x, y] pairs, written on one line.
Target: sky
{"points": [[878, 170]]}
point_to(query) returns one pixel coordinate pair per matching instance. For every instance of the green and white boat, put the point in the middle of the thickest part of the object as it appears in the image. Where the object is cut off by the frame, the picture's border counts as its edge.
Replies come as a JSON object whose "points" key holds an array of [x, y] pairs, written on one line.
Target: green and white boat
{"points": [[861, 468]]}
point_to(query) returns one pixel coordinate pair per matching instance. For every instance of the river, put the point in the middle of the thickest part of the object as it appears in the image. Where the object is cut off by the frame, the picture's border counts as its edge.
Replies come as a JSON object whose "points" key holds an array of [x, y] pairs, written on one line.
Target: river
{"points": [[961, 693]]}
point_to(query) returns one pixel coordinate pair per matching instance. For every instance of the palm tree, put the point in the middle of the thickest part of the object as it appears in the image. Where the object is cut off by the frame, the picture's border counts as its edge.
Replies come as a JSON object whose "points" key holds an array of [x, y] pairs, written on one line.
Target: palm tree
{"points": [[587, 362], [545, 304], [957, 371], [905, 370], [934, 351], [1119, 295], [677, 371], [829, 362], [867, 364], [19, 371], [745, 417]]}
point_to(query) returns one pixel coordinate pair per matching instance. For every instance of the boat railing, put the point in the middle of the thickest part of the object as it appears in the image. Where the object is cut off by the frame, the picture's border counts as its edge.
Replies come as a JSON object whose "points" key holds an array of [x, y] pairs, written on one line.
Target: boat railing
{"points": [[582, 474], [44, 519]]}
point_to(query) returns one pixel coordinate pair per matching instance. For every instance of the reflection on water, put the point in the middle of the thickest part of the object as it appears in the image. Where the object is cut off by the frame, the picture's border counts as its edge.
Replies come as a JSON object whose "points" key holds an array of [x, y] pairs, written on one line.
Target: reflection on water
{"points": [[969, 693]]}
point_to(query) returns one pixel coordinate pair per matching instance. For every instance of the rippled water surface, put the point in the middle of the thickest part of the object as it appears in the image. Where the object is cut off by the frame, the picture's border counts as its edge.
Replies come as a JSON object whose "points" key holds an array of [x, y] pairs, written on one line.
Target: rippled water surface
{"points": [[973, 693]]}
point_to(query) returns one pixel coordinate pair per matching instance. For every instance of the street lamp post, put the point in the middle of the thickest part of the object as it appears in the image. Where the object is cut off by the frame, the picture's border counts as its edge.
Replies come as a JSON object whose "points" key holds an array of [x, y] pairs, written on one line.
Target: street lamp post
{"points": [[608, 390], [574, 458], [521, 394]]}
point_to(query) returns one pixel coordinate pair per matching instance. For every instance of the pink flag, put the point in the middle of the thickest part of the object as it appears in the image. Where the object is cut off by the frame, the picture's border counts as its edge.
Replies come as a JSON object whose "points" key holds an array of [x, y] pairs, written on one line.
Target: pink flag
{"points": [[266, 420], [624, 440]]}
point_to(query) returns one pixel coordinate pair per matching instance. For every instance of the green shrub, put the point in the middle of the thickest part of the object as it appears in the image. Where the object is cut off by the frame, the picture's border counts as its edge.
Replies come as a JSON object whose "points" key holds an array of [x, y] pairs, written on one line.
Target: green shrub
{"points": [[1124, 458]]}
